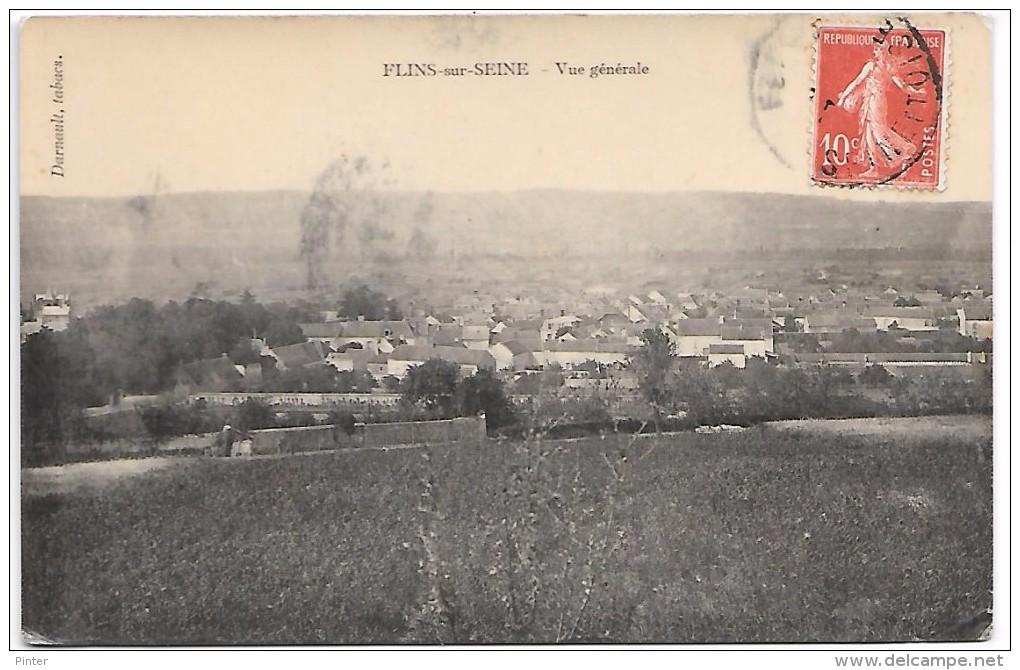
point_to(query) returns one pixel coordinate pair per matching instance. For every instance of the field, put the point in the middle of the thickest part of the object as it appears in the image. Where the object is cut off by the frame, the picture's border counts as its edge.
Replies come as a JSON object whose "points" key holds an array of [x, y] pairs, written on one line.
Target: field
{"points": [[817, 531]]}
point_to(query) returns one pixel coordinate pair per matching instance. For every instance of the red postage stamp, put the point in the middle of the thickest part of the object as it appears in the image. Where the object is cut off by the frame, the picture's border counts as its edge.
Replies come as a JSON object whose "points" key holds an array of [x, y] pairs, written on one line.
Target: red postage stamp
{"points": [[879, 106]]}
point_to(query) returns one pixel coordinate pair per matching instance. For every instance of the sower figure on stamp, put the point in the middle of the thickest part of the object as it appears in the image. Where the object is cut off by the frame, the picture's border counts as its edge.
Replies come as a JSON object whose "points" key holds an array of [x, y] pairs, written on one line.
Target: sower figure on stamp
{"points": [[880, 144]]}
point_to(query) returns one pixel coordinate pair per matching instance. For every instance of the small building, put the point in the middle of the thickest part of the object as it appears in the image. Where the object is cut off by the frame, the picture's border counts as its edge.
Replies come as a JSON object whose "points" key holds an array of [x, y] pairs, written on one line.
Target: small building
{"points": [[754, 334], [475, 337], [513, 355], [350, 360], [326, 333], [214, 375], [378, 366], [976, 320], [375, 336], [908, 318], [550, 327], [52, 310], [837, 322], [694, 336], [570, 354], [718, 354], [300, 355], [407, 356]]}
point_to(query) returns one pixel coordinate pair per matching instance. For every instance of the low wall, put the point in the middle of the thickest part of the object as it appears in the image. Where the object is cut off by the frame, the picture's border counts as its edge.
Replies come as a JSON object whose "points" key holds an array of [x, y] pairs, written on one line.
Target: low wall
{"points": [[275, 441], [295, 440], [419, 432], [330, 400], [322, 438], [117, 448]]}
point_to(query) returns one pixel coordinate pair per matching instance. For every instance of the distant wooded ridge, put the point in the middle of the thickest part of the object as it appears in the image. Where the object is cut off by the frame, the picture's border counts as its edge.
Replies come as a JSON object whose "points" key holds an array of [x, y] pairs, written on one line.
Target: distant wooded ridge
{"points": [[522, 222], [104, 250]]}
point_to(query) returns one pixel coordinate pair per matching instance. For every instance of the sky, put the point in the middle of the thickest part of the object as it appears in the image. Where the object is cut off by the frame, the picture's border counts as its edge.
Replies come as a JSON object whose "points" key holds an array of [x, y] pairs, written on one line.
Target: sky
{"points": [[195, 104]]}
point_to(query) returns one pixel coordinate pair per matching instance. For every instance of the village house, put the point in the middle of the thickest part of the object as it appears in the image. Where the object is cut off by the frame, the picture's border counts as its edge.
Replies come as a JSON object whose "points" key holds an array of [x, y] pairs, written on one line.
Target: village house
{"points": [[210, 375], [976, 320], [570, 354], [375, 336], [300, 355], [513, 355], [908, 318], [718, 354], [528, 332], [685, 302], [325, 333], [929, 298], [351, 360], [657, 298], [836, 322], [444, 335], [753, 335], [475, 336], [378, 366], [53, 311], [648, 313], [613, 320], [551, 327], [50, 311], [407, 356], [694, 336]]}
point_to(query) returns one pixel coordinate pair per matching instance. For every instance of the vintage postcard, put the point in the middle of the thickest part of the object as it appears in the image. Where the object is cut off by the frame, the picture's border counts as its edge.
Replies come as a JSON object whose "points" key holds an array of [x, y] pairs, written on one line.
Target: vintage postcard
{"points": [[421, 330]]}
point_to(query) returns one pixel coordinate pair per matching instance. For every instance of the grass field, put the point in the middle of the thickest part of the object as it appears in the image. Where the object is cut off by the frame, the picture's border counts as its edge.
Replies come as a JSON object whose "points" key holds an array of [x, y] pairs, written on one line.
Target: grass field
{"points": [[817, 531]]}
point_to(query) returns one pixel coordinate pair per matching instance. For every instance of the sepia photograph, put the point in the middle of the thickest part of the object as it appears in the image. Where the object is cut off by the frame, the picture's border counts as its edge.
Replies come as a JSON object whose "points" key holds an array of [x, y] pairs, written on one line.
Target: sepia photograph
{"points": [[421, 330]]}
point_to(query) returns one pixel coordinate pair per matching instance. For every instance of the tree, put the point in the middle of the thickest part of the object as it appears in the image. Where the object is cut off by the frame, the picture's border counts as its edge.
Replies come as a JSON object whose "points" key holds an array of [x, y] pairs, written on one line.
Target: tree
{"points": [[343, 420], [652, 364], [166, 420], [312, 379], [354, 381], [874, 375], [698, 391], [432, 386], [534, 383], [45, 405], [282, 326], [251, 415], [791, 325], [903, 301], [364, 302], [483, 392], [243, 353]]}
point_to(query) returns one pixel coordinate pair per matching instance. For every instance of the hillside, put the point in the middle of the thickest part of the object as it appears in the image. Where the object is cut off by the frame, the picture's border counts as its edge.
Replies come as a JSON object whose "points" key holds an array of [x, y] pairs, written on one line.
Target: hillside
{"points": [[137, 245], [770, 535]]}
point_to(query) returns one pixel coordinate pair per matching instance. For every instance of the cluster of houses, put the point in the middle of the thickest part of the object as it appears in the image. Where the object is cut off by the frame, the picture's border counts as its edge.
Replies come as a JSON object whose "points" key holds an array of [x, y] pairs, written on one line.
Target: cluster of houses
{"points": [[519, 335], [481, 332]]}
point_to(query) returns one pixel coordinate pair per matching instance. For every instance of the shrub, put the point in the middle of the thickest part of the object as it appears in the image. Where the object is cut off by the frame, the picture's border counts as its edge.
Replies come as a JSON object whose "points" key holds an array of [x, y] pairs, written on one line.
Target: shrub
{"points": [[252, 414]]}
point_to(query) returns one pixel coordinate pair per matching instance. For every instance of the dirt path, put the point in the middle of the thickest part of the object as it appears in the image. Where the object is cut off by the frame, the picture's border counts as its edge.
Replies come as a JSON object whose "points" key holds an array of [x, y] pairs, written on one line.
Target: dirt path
{"points": [[65, 478], [75, 476], [969, 426]]}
